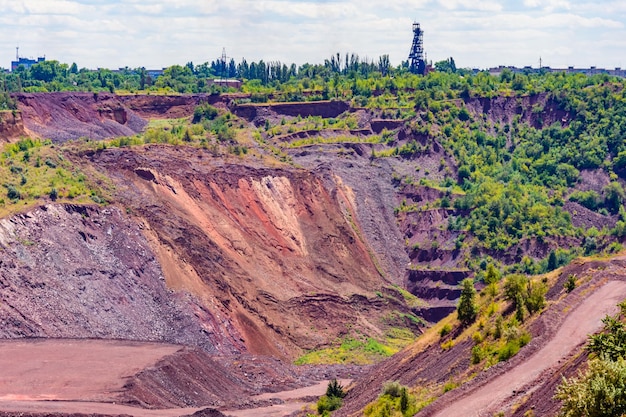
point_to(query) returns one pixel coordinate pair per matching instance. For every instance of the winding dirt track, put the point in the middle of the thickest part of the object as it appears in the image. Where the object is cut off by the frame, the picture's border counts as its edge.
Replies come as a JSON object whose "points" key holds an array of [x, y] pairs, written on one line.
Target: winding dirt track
{"points": [[584, 320]]}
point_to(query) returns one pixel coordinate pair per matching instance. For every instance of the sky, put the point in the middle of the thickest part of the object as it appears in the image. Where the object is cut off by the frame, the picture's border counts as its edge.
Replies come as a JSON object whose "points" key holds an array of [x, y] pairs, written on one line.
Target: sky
{"points": [[159, 33]]}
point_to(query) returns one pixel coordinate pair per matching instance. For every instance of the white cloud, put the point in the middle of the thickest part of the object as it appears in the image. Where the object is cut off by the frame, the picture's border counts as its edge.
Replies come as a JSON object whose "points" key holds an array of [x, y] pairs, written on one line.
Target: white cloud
{"points": [[478, 33], [492, 6], [549, 5]]}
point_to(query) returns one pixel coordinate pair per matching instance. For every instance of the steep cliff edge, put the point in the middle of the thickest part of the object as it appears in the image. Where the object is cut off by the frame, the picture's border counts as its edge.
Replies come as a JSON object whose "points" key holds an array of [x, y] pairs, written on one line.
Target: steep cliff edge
{"points": [[270, 251], [11, 126]]}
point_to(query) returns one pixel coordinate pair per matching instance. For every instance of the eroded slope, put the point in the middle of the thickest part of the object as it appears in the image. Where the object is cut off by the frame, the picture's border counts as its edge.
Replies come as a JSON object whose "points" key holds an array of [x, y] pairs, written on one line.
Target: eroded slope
{"points": [[86, 272], [270, 252]]}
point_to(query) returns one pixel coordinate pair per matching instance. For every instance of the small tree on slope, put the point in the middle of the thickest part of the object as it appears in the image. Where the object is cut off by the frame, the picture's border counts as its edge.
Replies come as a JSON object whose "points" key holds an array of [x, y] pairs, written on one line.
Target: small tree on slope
{"points": [[467, 308]]}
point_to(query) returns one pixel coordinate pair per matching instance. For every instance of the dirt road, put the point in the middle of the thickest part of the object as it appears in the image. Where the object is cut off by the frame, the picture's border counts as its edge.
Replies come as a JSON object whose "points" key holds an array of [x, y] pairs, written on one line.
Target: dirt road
{"points": [[585, 319], [292, 401]]}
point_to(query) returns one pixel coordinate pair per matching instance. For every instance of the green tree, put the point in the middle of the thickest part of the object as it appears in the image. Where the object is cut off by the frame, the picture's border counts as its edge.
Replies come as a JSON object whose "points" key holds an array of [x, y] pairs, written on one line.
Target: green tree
{"points": [[613, 196], [334, 389], [535, 296], [492, 275], [447, 65], [515, 288], [598, 392], [552, 261], [611, 344], [467, 308], [332, 400]]}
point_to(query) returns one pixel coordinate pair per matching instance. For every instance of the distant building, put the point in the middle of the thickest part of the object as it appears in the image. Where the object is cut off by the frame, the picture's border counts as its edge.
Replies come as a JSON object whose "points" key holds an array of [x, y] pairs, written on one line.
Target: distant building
{"points": [[155, 73], [26, 62], [236, 84]]}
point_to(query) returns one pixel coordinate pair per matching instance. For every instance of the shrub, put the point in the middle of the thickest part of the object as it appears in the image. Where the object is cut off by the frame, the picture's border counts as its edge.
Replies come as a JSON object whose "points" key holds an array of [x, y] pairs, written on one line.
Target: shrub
{"points": [[13, 193], [446, 329], [536, 297], [477, 355], [327, 404], [596, 392], [204, 111], [393, 389], [570, 284]]}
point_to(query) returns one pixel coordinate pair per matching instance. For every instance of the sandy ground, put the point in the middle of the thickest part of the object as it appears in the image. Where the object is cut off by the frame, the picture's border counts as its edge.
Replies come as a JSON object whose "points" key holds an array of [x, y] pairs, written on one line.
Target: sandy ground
{"points": [[85, 376], [292, 401], [86, 370], [585, 319], [78, 407]]}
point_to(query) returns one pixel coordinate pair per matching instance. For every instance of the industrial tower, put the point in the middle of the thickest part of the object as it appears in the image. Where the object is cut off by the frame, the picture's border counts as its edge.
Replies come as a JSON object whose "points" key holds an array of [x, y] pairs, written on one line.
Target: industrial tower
{"points": [[417, 65]]}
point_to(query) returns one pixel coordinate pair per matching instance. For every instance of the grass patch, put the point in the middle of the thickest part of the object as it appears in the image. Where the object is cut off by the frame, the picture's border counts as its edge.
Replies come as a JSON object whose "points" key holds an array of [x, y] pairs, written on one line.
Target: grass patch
{"points": [[411, 300], [35, 172], [358, 351]]}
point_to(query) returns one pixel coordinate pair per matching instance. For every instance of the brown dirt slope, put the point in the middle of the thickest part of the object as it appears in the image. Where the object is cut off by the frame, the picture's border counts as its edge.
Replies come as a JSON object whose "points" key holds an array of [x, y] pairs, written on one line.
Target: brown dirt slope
{"points": [[11, 126], [270, 251], [65, 116]]}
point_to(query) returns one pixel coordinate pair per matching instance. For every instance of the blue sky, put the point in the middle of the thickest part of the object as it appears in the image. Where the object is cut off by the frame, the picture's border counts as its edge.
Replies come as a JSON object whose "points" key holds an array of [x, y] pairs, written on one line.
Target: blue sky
{"points": [[159, 33]]}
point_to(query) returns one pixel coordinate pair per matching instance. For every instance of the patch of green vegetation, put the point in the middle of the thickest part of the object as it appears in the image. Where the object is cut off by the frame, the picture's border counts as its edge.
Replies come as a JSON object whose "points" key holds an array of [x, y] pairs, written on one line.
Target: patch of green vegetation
{"points": [[34, 172], [599, 390], [332, 400], [334, 140], [399, 401], [358, 351], [220, 133], [411, 300]]}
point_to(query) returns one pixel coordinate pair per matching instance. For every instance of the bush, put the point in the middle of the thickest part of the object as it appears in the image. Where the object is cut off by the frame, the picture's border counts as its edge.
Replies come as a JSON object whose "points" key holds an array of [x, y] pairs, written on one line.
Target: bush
{"points": [[570, 284], [536, 297], [13, 193], [393, 389], [446, 329], [204, 111], [597, 392], [514, 287], [327, 404]]}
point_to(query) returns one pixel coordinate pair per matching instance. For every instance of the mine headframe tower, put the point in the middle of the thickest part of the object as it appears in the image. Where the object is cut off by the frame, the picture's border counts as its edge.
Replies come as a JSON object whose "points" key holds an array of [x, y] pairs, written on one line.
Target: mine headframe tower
{"points": [[417, 64]]}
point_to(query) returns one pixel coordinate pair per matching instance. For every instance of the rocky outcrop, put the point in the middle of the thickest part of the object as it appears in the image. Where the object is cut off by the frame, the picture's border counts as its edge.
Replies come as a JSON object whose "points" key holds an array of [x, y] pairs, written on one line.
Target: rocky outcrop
{"points": [[11, 126], [87, 272], [305, 109], [66, 116], [271, 252]]}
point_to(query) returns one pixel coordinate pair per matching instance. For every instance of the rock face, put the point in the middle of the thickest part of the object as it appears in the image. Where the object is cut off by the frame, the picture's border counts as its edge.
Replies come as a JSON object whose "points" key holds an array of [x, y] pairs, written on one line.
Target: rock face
{"points": [[66, 116], [86, 272], [11, 126], [253, 112], [271, 253]]}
